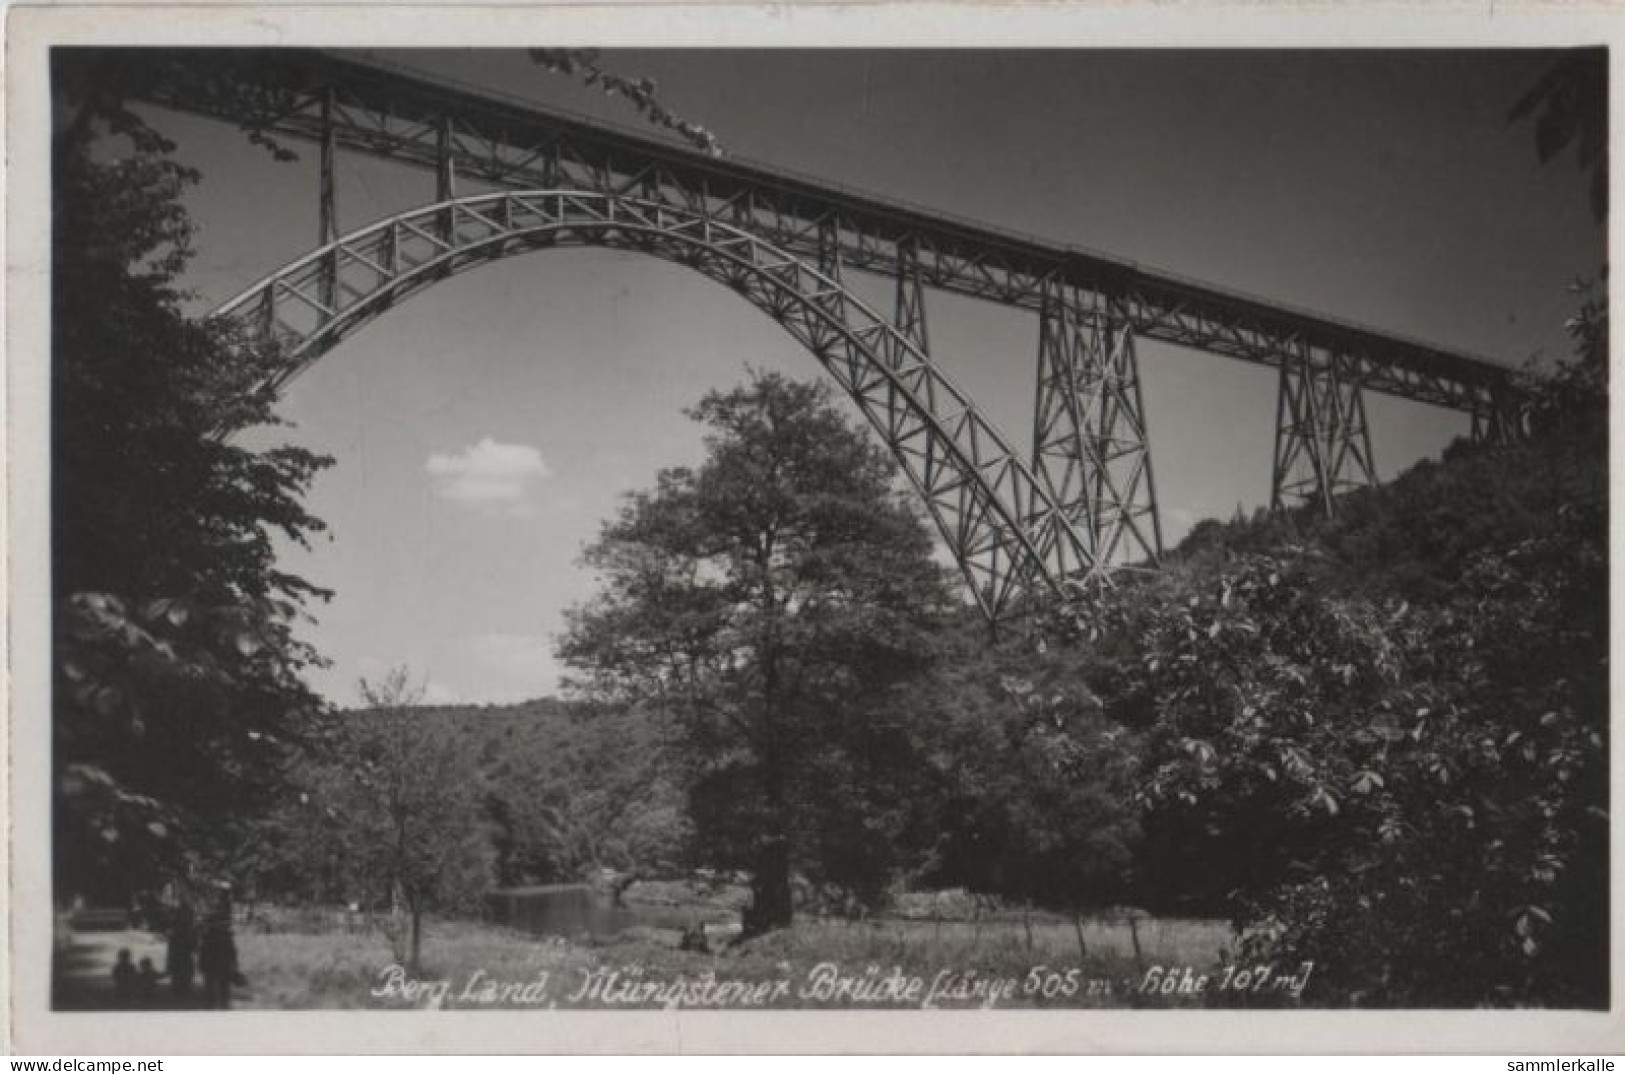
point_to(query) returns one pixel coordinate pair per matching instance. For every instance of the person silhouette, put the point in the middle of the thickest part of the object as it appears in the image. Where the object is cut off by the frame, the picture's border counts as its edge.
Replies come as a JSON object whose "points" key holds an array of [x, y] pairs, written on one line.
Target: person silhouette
{"points": [[217, 958], [146, 982], [124, 977], [182, 952]]}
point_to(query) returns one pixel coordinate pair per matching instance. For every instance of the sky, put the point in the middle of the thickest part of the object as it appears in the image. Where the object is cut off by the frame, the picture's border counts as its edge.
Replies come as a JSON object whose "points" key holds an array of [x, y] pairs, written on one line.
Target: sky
{"points": [[484, 429]]}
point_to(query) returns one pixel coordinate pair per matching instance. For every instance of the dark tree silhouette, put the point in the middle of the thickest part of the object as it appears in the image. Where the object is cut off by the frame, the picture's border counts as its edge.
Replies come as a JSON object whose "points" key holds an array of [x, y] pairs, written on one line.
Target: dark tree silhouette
{"points": [[177, 675], [776, 601], [1569, 105]]}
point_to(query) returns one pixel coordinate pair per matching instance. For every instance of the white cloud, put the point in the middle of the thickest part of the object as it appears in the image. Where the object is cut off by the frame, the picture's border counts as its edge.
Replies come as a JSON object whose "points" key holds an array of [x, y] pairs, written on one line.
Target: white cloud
{"points": [[489, 474]]}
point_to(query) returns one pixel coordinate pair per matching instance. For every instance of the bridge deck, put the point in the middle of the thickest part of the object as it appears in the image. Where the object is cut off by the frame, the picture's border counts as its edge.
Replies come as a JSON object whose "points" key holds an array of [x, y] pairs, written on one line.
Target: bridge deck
{"points": [[391, 113]]}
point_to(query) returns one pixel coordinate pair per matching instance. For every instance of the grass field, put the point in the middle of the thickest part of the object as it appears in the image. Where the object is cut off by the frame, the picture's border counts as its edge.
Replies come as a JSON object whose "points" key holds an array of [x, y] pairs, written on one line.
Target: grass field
{"points": [[889, 964]]}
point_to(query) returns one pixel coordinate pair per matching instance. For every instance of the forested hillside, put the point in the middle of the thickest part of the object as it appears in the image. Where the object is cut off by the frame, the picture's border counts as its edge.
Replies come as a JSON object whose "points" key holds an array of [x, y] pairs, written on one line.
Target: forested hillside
{"points": [[1375, 741], [574, 788], [1379, 740]]}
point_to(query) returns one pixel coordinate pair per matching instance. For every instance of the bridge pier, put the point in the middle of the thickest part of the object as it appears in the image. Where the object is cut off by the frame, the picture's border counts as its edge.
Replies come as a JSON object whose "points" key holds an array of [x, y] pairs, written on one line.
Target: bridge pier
{"points": [[328, 223], [1495, 421], [445, 176], [908, 317], [1322, 439], [1091, 441], [266, 315], [829, 248]]}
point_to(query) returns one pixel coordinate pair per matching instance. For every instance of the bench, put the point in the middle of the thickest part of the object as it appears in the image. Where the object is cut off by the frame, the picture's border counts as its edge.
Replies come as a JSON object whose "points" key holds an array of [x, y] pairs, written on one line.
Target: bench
{"points": [[99, 919]]}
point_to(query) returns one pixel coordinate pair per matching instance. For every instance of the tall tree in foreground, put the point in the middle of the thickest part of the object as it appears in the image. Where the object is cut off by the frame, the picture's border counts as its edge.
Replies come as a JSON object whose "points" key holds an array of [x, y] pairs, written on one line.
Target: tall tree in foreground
{"points": [[177, 676], [777, 602]]}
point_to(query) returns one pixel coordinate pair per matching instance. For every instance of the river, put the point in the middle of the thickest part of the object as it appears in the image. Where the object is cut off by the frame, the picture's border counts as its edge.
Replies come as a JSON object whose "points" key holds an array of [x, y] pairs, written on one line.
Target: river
{"points": [[574, 911]]}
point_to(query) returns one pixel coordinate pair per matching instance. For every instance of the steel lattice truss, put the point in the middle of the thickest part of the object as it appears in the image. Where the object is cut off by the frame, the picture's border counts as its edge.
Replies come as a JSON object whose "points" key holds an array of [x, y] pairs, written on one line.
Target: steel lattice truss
{"points": [[1322, 440], [1001, 524], [1087, 501], [1499, 419], [376, 110], [1090, 442]]}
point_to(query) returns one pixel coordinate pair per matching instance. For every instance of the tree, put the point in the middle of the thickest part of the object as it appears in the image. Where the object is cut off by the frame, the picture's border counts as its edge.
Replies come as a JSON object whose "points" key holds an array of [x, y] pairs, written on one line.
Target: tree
{"points": [[177, 674], [1383, 752], [1569, 104], [1380, 741], [580, 789], [641, 93], [776, 602], [1029, 784], [1409, 795], [401, 797]]}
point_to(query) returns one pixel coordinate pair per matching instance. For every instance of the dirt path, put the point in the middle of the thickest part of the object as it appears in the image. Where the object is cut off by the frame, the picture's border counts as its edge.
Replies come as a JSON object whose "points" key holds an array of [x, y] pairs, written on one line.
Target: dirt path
{"points": [[82, 977]]}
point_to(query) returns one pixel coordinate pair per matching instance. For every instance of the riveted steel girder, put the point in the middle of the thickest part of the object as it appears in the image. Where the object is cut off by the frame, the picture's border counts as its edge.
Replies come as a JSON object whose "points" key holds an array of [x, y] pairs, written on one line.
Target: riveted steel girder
{"points": [[404, 117], [1090, 502], [1008, 535]]}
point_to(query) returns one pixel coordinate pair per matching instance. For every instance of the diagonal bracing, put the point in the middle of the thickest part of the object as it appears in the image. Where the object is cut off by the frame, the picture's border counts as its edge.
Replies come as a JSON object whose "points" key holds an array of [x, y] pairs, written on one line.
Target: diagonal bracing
{"points": [[1091, 444], [1003, 528], [1322, 439]]}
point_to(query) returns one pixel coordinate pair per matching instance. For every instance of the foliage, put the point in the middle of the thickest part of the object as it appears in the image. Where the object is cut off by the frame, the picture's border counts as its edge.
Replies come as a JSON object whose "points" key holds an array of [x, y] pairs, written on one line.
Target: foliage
{"points": [[177, 675], [1379, 741], [1487, 882], [1569, 105], [579, 789], [390, 810], [1570, 402], [98, 82], [642, 93], [1030, 794], [564, 792], [778, 602]]}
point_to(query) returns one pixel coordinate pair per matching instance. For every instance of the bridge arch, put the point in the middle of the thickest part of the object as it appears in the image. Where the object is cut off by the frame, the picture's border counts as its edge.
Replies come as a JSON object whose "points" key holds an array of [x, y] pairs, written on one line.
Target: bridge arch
{"points": [[1001, 523]]}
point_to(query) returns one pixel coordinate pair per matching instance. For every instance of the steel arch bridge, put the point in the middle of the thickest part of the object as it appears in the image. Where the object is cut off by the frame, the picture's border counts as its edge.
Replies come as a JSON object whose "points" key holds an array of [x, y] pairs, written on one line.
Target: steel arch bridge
{"points": [[1080, 503], [1003, 527]]}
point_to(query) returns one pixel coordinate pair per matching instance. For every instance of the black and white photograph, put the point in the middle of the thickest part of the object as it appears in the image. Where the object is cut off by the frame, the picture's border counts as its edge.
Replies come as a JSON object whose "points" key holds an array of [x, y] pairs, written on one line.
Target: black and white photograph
{"points": [[604, 525]]}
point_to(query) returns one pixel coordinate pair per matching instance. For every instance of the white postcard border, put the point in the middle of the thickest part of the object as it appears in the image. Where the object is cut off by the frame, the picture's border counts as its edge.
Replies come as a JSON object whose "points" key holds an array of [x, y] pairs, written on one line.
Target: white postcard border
{"points": [[32, 29]]}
